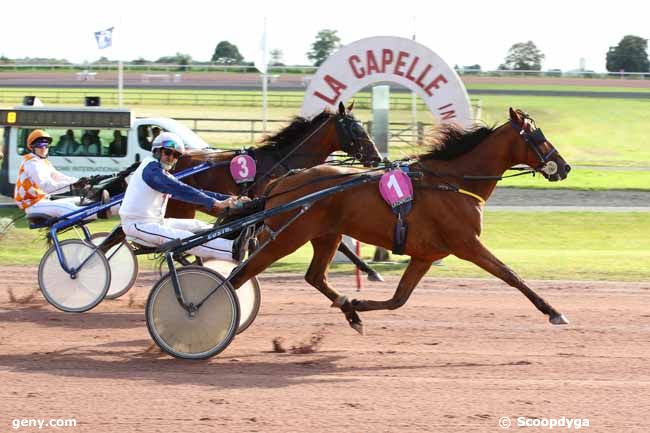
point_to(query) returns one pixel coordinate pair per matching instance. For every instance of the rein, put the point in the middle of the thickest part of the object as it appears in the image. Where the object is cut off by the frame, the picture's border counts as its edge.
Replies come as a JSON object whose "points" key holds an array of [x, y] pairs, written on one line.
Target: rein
{"points": [[534, 139], [279, 163], [317, 180]]}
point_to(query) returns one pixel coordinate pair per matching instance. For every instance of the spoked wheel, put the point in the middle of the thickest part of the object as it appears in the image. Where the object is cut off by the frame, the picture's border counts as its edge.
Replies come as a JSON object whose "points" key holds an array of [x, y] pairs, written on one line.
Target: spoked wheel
{"points": [[249, 294], [123, 263], [203, 334], [84, 290]]}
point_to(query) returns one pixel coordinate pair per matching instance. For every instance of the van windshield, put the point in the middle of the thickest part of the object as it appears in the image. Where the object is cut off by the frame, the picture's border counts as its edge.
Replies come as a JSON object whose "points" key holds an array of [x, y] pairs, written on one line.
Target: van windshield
{"points": [[80, 142]]}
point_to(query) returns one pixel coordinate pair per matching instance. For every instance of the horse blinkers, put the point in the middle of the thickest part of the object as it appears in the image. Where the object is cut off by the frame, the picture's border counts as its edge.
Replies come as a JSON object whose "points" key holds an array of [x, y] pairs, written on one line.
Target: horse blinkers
{"points": [[535, 140], [352, 137]]}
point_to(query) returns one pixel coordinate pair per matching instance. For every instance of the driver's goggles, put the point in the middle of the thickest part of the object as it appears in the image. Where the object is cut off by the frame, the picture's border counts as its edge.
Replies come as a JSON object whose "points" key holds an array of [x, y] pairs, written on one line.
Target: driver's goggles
{"points": [[40, 143], [170, 152]]}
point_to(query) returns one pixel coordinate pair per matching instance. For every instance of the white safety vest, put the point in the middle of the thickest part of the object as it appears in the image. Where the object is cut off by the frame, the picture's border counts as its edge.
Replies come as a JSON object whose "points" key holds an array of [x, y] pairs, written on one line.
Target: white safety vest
{"points": [[141, 202]]}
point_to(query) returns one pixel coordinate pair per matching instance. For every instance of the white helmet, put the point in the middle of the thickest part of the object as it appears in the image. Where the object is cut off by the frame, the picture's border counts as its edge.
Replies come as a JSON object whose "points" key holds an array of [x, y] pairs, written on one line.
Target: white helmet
{"points": [[168, 140]]}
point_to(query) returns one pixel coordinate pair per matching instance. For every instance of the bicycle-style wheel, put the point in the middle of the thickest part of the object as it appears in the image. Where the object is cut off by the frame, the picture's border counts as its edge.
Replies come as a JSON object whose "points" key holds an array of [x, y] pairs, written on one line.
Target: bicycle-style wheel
{"points": [[83, 290], [123, 263], [248, 295], [203, 334]]}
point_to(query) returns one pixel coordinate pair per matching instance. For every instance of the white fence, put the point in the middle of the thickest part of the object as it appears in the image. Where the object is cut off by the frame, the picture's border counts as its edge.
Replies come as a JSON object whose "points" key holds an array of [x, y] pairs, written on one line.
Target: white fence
{"points": [[300, 69]]}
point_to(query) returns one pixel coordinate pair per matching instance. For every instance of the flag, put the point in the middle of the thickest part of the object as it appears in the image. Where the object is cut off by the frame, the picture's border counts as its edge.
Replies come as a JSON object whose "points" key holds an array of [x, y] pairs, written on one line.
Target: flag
{"points": [[262, 57], [104, 38]]}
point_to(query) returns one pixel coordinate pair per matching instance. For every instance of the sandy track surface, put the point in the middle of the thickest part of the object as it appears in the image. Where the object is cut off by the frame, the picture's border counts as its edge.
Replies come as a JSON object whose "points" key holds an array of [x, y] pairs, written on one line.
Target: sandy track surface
{"points": [[458, 357]]}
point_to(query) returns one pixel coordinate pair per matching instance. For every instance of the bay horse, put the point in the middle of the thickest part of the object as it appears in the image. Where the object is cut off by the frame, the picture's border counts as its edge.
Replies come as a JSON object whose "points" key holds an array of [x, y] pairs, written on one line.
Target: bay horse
{"points": [[459, 173], [302, 144]]}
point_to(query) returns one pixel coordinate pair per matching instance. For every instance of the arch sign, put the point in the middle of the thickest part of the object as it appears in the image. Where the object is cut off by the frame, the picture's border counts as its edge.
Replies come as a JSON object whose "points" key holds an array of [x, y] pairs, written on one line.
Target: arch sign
{"points": [[384, 59]]}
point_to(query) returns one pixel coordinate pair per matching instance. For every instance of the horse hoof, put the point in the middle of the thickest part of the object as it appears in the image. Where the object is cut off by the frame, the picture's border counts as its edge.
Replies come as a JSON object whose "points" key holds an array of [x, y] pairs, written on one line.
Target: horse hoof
{"points": [[375, 276], [358, 326], [559, 319]]}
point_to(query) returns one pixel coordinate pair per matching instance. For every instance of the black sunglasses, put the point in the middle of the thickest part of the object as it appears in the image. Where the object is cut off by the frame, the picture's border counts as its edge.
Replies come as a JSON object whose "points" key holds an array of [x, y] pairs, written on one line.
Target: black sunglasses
{"points": [[170, 152]]}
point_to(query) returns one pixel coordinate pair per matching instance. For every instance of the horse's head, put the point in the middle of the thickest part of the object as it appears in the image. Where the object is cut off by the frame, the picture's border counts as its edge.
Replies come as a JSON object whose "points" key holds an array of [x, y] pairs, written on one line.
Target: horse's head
{"points": [[353, 137], [538, 152]]}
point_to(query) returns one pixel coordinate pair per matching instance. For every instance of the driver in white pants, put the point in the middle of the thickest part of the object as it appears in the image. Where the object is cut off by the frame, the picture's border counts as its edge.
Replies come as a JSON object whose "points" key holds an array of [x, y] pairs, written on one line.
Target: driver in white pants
{"points": [[145, 201]]}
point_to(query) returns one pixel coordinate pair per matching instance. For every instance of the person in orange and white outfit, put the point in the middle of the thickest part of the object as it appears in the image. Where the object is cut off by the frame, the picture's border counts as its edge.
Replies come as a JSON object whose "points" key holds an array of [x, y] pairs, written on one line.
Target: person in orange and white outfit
{"points": [[37, 179]]}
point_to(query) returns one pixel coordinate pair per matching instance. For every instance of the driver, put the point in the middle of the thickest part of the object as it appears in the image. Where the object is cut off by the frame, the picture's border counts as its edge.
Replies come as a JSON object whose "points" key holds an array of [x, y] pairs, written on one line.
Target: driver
{"points": [[151, 185], [38, 179]]}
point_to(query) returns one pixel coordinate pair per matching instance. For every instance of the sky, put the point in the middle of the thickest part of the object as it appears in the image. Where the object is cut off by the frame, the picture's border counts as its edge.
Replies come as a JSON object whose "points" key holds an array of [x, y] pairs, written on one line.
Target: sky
{"points": [[461, 32]]}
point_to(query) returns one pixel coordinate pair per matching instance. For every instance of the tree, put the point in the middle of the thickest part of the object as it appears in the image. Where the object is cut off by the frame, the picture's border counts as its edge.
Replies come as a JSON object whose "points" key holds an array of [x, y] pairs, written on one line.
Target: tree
{"points": [[103, 60], [523, 56], [226, 53], [631, 55], [276, 57], [140, 61], [179, 59], [326, 42]]}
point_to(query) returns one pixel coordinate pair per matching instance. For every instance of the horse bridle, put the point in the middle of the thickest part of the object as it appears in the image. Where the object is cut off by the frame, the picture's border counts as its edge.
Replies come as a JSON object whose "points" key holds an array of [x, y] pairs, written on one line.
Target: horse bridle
{"points": [[347, 129], [345, 126], [535, 139]]}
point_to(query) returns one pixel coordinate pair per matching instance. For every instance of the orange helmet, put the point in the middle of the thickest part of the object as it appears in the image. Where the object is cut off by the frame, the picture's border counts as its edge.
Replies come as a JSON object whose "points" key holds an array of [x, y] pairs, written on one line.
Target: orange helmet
{"points": [[38, 136]]}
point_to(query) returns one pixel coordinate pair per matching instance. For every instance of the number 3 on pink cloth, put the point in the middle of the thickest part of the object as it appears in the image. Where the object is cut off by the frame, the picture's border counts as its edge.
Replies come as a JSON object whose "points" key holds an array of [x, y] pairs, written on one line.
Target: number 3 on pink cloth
{"points": [[396, 188], [243, 169]]}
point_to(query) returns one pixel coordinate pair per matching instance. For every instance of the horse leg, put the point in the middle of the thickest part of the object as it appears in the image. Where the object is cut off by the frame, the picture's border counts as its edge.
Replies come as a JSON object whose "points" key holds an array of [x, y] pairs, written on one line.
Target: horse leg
{"points": [[411, 277], [359, 263], [482, 257], [284, 245], [324, 250]]}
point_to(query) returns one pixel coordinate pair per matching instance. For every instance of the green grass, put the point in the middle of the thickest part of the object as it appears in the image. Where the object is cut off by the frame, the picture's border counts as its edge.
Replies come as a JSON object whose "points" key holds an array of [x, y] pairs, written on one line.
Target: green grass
{"points": [[540, 245], [585, 179], [644, 86], [586, 131]]}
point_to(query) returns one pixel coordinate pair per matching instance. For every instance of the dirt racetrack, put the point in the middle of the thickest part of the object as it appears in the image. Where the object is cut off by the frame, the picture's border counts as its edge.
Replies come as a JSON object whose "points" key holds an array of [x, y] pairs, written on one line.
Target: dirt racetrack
{"points": [[458, 357]]}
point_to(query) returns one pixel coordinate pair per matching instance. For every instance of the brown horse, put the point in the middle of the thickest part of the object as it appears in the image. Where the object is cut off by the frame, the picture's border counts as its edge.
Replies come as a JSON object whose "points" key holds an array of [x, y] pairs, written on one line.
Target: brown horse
{"points": [[302, 144], [459, 173]]}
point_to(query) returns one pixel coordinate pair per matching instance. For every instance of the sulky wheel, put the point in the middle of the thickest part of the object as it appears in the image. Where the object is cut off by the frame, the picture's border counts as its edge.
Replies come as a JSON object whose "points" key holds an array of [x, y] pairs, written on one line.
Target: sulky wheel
{"points": [[83, 290], [192, 336], [123, 263], [248, 294]]}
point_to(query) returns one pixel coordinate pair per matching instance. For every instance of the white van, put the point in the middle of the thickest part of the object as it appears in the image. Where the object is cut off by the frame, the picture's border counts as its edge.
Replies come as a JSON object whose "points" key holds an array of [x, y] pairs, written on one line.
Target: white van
{"points": [[86, 141]]}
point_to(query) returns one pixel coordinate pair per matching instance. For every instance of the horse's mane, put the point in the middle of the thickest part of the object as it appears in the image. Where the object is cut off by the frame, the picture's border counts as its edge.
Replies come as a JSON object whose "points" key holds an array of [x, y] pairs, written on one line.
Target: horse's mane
{"points": [[449, 141], [292, 133], [289, 136]]}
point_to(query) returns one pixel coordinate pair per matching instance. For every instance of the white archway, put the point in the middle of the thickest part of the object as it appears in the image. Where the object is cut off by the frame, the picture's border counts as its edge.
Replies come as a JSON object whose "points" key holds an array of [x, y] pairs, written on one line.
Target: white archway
{"points": [[384, 59]]}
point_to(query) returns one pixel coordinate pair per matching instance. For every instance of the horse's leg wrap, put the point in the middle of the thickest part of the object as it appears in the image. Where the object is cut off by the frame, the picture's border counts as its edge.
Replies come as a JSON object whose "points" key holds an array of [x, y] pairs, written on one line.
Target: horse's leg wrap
{"points": [[340, 302], [351, 316]]}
